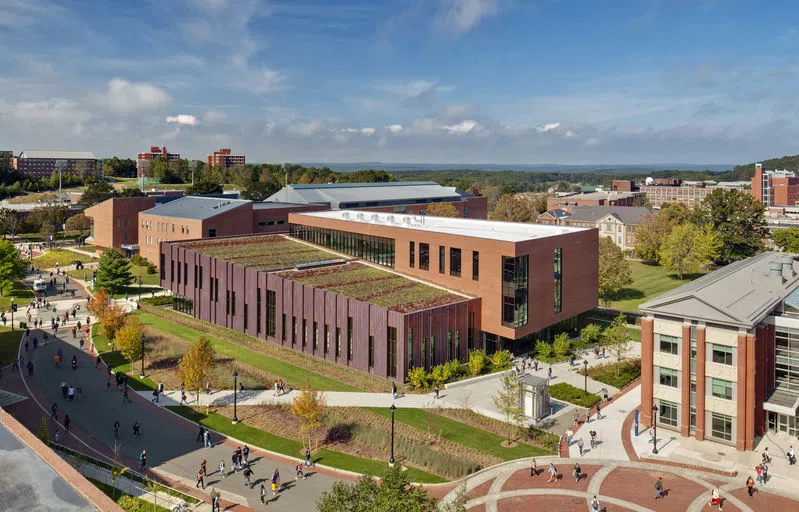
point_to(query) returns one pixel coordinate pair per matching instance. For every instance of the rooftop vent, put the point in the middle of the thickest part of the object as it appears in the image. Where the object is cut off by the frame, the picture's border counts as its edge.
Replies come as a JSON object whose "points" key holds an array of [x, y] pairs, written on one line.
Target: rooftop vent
{"points": [[346, 215], [787, 266], [361, 216], [375, 217], [775, 269]]}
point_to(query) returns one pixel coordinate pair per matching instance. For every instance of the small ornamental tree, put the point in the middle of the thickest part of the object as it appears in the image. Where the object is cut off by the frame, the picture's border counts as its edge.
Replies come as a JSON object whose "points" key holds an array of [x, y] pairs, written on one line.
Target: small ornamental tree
{"points": [[590, 333], [618, 340], [614, 270], [308, 407], [561, 345], [128, 338], [78, 222], [99, 303], [443, 210], [393, 493], [113, 273], [12, 268], [509, 402], [197, 365], [110, 322]]}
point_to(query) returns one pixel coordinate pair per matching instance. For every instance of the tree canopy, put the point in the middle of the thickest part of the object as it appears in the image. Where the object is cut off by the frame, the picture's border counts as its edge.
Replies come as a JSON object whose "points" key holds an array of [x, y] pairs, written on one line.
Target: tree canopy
{"points": [[688, 248], [739, 219], [78, 222], [51, 216], [12, 267], [96, 193], [128, 338], [393, 494], [512, 208], [786, 239], [197, 365], [204, 186], [113, 272], [119, 167], [614, 269], [443, 210]]}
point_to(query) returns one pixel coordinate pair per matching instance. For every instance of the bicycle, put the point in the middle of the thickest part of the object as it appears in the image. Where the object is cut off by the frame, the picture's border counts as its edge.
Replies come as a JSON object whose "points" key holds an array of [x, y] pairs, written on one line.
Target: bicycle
{"points": [[181, 507]]}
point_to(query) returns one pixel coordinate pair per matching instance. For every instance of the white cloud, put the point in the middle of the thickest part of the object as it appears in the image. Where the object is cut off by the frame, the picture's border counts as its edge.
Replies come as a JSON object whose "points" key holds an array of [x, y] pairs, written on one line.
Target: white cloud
{"points": [[461, 16], [570, 133], [260, 81], [394, 128], [214, 116], [185, 119], [550, 127], [367, 131], [306, 129], [462, 127], [126, 97]]}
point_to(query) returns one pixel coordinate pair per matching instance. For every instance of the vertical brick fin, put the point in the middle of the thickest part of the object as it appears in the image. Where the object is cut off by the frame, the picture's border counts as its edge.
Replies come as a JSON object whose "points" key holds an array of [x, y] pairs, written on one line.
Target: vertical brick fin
{"points": [[740, 424], [647, 370], [701, 357], [685, 382], [751, 406]]}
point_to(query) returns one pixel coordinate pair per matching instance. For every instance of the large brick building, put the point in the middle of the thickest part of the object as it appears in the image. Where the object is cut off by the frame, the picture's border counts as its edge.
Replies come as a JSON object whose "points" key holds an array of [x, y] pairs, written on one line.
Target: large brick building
{"points": [[617, 222], [720, 355], [224, 158], [775, 188], [411, 197], [41, 163], [387, 292], [144, 160]]}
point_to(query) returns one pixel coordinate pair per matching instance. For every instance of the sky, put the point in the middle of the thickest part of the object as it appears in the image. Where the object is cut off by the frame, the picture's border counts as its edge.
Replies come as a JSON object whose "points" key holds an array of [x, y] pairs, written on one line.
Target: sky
{"points": [[428, 81]]}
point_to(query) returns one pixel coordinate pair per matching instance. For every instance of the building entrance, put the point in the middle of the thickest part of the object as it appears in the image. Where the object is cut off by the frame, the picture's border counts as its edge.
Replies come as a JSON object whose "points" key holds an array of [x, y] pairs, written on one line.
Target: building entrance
{"points": [[782, 423]]}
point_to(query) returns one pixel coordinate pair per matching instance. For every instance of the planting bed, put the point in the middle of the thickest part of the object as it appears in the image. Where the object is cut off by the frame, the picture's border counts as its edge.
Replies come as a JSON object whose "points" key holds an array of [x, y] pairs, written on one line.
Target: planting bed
{"points": [[261, 252]]}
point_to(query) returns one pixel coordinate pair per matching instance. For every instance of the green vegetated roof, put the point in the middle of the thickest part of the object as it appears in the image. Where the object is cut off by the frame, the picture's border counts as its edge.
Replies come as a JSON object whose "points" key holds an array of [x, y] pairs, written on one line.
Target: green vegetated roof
{"points": [[261, 252], [374, 286]]}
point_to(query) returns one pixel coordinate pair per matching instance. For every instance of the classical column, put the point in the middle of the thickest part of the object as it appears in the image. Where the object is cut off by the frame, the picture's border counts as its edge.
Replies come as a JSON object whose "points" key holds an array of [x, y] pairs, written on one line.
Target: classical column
{"points": [[740, 418], [685, 381], [700, 383], [647, 370]]}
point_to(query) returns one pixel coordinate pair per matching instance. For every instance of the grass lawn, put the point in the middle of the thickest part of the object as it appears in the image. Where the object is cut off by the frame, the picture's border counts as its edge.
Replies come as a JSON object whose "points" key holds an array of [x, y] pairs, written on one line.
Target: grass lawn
{"points": [[21, 293], [117, 495], [457, 432], [292, 448], [9, 345], [289, 372], [62, 256], [85, 248], [118, 363], [138, 270], [648, 282]]}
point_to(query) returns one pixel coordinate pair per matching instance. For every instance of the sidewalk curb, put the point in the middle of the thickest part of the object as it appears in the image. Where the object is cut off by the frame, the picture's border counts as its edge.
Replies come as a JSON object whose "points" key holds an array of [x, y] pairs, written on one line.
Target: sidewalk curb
{"points": [[479, 378]]}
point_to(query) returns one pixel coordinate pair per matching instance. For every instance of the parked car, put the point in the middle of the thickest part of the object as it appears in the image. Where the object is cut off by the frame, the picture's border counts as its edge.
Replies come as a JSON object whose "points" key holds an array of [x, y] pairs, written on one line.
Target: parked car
{"points": [[40, 285]]}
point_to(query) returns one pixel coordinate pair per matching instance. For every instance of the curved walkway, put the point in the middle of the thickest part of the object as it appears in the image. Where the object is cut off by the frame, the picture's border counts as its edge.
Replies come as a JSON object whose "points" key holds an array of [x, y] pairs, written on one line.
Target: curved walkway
{"points": [[618, 485]]}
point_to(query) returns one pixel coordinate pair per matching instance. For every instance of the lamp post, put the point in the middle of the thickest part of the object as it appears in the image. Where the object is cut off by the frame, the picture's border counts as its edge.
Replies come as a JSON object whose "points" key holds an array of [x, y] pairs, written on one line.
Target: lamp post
{"points": [[391, 460], [141, 376], [585, 375], [655, 429], [235, 385], [140, 288], [12, 313]]}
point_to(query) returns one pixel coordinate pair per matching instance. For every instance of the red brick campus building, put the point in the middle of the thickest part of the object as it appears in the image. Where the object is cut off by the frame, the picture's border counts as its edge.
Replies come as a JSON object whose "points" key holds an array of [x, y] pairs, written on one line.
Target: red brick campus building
{"points": [[384, 293]]}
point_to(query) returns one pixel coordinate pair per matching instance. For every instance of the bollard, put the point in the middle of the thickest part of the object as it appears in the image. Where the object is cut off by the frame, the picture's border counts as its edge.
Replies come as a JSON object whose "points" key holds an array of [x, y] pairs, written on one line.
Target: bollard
{"points": [[636, 423], [206, 413]]}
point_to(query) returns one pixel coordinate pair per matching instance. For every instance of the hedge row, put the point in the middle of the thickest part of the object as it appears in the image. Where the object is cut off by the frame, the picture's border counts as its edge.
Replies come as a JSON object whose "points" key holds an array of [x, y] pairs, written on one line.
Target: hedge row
{"points": [[568, 393]]}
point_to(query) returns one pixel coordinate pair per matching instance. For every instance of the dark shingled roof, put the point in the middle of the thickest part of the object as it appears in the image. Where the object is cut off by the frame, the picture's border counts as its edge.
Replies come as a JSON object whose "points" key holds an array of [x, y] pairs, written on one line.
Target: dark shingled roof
{"points": [[626, 214], [195, 207]]}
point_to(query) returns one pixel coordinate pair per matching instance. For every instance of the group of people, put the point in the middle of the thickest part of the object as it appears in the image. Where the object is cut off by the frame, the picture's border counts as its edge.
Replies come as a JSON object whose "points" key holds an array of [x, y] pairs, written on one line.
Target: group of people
{"points": [[280, 387]]}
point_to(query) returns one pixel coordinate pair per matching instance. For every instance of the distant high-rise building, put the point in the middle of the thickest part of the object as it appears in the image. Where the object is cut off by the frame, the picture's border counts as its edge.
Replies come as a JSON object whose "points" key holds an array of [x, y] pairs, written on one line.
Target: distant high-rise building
{"points": [[775, 188], [224, 158], [41, 163], [143, 160]]}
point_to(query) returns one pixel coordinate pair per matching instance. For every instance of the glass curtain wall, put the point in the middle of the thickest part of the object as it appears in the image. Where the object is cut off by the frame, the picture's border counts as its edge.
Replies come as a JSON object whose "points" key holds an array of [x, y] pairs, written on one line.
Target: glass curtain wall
{"points": [[376, 249], [514, 290]]}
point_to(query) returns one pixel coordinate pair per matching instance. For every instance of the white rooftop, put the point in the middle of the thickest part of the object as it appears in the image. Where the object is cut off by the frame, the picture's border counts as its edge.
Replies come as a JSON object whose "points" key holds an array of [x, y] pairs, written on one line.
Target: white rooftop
{"points": [[490, 229]]}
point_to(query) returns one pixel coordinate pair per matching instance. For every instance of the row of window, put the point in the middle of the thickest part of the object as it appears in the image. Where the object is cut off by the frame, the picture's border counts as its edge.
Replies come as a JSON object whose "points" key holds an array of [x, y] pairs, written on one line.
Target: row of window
{"points": [[428, 349], [122, 222], [454, 259], [376, 249], [721, 425], [719, 388], [721, 354], [271, 223], [163, 227]]}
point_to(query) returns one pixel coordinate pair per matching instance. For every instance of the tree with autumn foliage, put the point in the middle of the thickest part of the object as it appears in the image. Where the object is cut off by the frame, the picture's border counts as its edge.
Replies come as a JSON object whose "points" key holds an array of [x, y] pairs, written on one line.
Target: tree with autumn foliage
{"points": [[512, 208], [197, 365], [110, 316], [308, 407], [128, 338], [443, 210]]}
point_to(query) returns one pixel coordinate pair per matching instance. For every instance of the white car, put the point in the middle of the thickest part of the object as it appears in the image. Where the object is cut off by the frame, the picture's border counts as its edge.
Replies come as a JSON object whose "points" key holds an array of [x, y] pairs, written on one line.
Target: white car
{"points": [[40, 285]]}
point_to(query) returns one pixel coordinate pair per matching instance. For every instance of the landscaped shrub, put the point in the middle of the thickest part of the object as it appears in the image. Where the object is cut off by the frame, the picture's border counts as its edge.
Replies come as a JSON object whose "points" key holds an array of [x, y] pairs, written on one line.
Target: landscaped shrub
{"points": [[129, 503], [501, 359], [562, 344], [151, 268], [543, 349], [477, 362], [161, 300], [139, 260], [455, 368], [591, 333], [441, 373], [628, 372], [568, 393], [542, 437], [418, 378]]}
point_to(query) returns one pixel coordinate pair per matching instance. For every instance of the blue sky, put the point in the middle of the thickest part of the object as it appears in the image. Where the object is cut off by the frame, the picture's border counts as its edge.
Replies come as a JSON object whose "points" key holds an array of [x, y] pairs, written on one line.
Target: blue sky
{"points": [[438, 81]]}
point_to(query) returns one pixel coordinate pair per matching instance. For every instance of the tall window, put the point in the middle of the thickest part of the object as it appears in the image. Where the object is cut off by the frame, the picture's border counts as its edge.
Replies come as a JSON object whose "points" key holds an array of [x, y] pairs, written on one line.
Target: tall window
{"points": [[424, 256], [200, 281], [371, 351], [669, 377], [283, 328], [454, 262], [409, 355], [293, 330], [449, 345], [432, 351], [257, 310], [391, 350], [668, 413], [227, 302], [721, 388], [186, 272], [424, 353], [178, 272], [271, 309], [457, 344], [233, 303], [338, 342], [304, 333], [514, 291], [721, 426], [246, 317], [412, 254], [315, 336], [786, 358], [327, 338], [475, 266], [470, 333], [349, 338], [558, 275], [368, 247], [441, 261], [216, 289], [669, 344]]}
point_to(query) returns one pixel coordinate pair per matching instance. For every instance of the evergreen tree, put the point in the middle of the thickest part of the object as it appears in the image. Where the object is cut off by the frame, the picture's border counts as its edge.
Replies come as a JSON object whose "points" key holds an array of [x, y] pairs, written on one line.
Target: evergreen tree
{"points": [[113, 272]]}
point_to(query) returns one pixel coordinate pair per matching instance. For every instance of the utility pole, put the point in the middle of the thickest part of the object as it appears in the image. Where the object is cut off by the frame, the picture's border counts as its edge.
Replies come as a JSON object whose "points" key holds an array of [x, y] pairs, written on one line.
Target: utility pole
{"points": [[286, 171]]}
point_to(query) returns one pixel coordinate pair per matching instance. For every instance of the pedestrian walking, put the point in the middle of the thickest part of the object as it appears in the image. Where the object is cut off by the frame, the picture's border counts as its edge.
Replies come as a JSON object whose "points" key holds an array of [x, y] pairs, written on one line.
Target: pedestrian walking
{"points": [[598, 415], [222, 469], [592, 433], [116, 429], [595, 507], [97, 361], [300, 472], [67, 421], [533, 468], [715, 498], [246, 453], [436, 391], [71, 393], [576, 417], [308, 456], [765, 473], [791, 456], [275, 482], [569, 435], [125, 397], [201, 433], [215, 502], [394, 390], [108, 384], [183, 398], [659, 488], [549, 374], [54, 412], [207, 439], [200, 479], [30, 369], [262, 492], [765, 457], [143, 458], [576, 471], [553, 473], [759, 473], [750, 486], [580, 445], [137, 428], [247, 475], [233, 462]]}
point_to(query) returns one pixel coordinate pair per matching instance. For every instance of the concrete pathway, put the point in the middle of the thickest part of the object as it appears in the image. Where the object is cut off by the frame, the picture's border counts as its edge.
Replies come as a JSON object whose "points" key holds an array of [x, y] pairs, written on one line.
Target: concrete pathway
{"points": [[608, 429]]}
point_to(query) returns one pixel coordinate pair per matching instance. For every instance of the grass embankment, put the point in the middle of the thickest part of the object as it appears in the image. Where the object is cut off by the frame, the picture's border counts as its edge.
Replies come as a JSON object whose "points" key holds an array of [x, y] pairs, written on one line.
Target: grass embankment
{"points": [[292, 448], [22, 294], [9, 344], [149, 281], [61, 256], [126, 501], [461, 433], [118, 363], [39, 237], [648, 282], [293, 375]]}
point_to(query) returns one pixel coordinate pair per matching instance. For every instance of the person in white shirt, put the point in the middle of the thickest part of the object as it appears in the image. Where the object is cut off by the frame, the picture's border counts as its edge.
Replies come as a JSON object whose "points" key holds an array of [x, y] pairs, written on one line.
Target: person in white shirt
{"points": [[791, 456], [595, 507]]}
